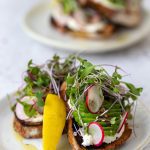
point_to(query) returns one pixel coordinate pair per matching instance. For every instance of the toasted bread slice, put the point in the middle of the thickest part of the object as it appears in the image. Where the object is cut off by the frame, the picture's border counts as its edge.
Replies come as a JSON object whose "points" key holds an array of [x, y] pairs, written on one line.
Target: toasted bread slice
{"points": [[77, 146], [129, 16], [30, 131], [27, 131]]}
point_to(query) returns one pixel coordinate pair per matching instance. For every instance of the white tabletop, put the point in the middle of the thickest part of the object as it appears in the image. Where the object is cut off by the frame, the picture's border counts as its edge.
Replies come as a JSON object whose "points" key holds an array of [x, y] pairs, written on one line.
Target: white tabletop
{"points": [[16, 49]]}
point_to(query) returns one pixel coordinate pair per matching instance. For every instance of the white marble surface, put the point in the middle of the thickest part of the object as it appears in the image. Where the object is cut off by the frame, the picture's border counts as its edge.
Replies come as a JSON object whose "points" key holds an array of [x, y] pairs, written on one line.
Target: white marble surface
{"points": [[16, 49]]}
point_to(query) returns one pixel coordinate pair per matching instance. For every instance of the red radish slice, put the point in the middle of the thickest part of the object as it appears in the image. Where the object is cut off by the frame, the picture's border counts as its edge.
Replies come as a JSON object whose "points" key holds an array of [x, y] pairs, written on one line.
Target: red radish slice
{"points": [[123, 121], [97, 133], [86, 90], [94, 99]]}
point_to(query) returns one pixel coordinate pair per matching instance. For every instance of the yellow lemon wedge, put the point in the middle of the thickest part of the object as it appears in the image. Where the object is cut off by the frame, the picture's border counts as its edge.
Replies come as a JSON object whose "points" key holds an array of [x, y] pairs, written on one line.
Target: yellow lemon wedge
{"points": [[53, 121]]}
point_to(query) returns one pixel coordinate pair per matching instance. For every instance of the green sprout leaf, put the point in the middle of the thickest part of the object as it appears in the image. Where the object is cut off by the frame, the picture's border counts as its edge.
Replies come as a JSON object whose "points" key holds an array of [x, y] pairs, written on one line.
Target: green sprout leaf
{"points": [[113, 120], [28, 91], [28, 109], [40, 101], [69, 6], [30, 63], [133, 91]]}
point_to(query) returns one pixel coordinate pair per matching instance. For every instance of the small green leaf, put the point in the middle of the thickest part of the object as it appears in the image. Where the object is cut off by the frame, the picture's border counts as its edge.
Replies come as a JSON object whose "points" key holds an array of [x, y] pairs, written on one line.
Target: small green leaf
{"points": [[133, 89], [29, 63], [28, 109], [56, 58], [69, 6], [116, 90], [70, 80], [113, 120], [116, 77], [34, 70], [39, 82], [28, 90], [13, 107], [87, 71], [40, 101], [27, 79]]}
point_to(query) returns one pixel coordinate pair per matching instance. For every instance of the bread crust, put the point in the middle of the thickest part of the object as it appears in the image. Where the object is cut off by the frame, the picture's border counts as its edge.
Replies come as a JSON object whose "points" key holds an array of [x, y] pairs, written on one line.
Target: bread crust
{"points": [[106, 33], [27, 131], [75, 146], [63, 89], [71, 138]]}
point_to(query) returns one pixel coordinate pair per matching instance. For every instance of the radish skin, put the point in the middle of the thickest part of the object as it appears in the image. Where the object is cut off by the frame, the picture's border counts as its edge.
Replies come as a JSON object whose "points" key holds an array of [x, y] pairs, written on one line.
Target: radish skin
{"points": [[124, 119], [94, 129], [20, 113], [93, 99]]}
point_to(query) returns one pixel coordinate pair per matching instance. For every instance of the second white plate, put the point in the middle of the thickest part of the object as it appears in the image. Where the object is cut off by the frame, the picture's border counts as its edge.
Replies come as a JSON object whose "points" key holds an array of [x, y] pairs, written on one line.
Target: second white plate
{"points": [[36, 24]]}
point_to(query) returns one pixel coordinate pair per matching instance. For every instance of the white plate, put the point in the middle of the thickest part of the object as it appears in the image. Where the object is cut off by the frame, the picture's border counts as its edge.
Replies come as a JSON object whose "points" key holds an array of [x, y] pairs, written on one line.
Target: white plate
{"points": [[36, 24], [9, 140]]}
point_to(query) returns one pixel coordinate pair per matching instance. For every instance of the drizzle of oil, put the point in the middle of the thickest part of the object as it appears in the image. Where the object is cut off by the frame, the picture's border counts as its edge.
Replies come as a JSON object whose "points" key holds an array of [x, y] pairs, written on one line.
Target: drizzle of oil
{"points": [[29, 147], [20, 139], [122, 38]]}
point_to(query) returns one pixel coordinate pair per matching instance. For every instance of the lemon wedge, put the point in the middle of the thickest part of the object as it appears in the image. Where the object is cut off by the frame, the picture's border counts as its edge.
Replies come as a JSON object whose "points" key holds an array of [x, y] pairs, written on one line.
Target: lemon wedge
{"points": [[53, 121]]}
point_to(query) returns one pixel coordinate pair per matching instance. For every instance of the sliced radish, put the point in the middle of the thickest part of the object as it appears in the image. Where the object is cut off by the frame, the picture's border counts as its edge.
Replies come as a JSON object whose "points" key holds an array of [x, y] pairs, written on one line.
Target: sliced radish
{"points": [[123, 121], [20, 114], [94, 99], [86, 90], [97, 133]]}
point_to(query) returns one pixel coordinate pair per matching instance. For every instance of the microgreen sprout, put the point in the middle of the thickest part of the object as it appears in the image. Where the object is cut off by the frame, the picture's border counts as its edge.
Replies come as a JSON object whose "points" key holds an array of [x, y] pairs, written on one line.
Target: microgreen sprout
{"points": [[69, 6]]}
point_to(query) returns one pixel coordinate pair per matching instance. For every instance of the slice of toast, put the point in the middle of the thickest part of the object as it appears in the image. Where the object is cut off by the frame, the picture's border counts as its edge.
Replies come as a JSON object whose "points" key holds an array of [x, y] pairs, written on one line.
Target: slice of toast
{"points": [[77, 146], [27, 131], [30, 131]]}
